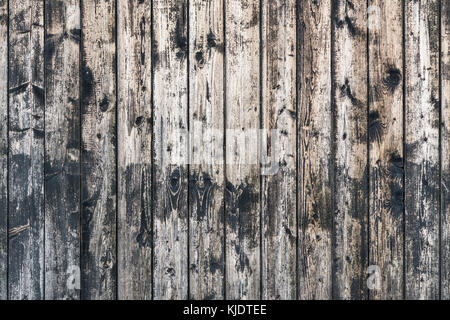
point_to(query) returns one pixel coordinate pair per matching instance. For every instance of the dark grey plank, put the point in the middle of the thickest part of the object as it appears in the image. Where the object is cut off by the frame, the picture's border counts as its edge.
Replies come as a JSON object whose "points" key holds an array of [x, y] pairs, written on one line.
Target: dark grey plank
{"points": [[26, 153], [62, 150], [98, 150], [134, 150]]}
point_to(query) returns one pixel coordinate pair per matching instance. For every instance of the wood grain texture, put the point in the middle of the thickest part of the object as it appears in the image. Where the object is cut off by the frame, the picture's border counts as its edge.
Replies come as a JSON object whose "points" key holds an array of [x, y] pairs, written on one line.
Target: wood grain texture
{"points": [[62, 149], [422, 149], [279, 122], [314, 156], [385, 26], [170, 114], [243, 269], [445, 150], [134, 150], [3, 149], [98, 150], [26, 150], [349, 72], [206, 176]]}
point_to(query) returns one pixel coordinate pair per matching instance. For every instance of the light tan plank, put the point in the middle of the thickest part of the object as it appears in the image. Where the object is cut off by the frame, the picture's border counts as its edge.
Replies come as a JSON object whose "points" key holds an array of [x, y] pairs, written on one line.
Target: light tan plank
{"points": [[422, 149], [170, 149], [206, 177], [279, 122], [386, 149], [98, 175], [315, 159], [350, 172], [134, 150], [243, 269]]}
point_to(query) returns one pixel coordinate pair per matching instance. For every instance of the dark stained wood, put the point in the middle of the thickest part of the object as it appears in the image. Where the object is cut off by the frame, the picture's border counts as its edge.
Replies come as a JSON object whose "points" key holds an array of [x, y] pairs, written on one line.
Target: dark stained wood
{"points": [[314, 156], [422, 149], [243, 269], [279, 169], [385, 27], [26, 150], [134, 150], [445, 150], [170, 118], [349, 72], [3, 149], [62, 150], [98, 150], [206, 176]]}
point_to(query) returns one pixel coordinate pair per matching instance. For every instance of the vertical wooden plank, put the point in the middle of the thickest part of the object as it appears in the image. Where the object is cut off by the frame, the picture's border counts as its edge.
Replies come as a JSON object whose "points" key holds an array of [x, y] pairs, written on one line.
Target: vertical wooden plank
{"points": [[62, 150], [349, 60], [314, 143], [243, 270], [26, 154], [445, 149], [98, 125], [206, 176], [170, 45], [279, 122], [3, 148], [422, 149], [134, 150], [385, 27]]}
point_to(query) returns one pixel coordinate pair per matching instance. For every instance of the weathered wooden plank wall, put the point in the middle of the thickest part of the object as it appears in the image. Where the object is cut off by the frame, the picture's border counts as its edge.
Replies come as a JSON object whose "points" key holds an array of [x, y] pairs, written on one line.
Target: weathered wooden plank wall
{"points": [[211, 149]]}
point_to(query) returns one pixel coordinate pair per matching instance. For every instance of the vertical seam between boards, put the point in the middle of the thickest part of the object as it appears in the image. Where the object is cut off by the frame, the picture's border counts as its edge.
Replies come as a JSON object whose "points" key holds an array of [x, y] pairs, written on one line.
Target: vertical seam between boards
{"points": [[152, 150], [44, 3], [367, 200], [224, 93], [440, 148], [188, 145], [7, 152], [116, 58], [261, 126], [333, 150], [404, 141], [297, 52]]}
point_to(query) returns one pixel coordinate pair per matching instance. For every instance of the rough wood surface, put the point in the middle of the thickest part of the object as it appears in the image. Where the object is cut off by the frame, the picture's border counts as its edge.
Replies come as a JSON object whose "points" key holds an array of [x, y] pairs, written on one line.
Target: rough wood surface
{"points": [[349, 72], [134, 150], [279, 122], [3, 149], [26, 150], [170, 118], [445, 150], [314, 145], [98, 150], [243, 270], [385, 26], [62, 149], [422, 149], [206, 176], [211, 149]]}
